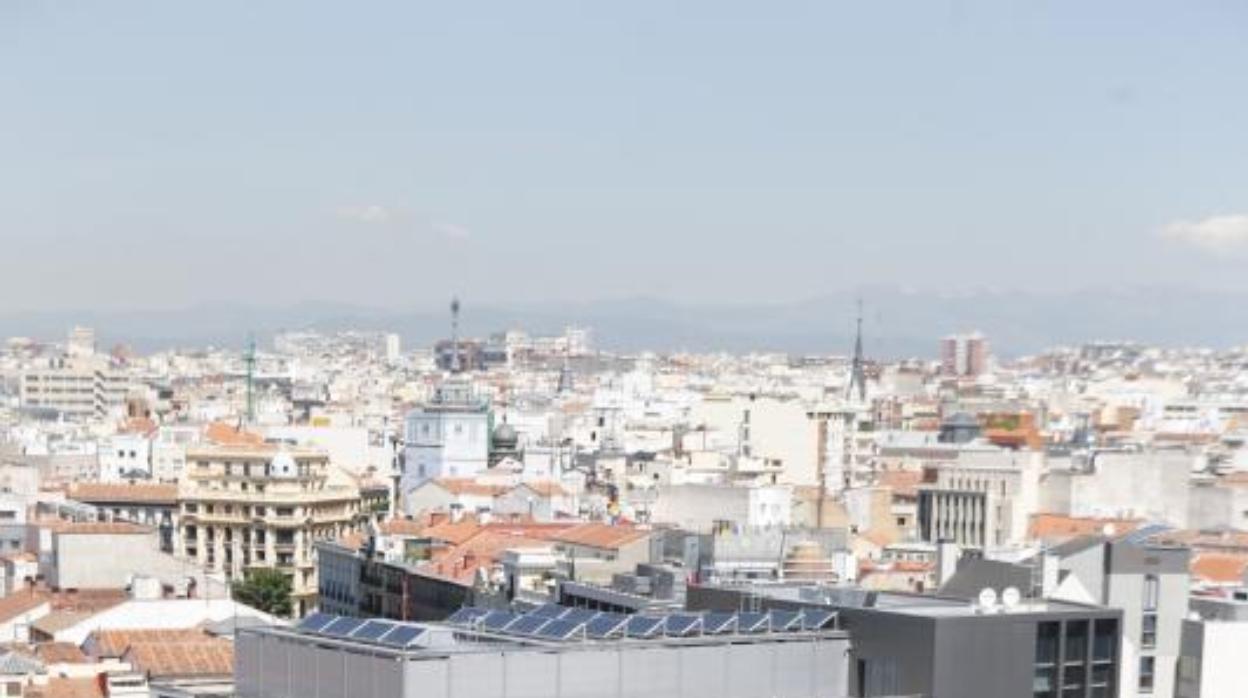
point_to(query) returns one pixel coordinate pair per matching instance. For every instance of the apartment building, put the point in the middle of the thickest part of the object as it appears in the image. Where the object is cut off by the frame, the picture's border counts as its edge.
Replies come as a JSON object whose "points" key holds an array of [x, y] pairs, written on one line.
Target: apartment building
{"points": [[258, 505], [77, 388]]}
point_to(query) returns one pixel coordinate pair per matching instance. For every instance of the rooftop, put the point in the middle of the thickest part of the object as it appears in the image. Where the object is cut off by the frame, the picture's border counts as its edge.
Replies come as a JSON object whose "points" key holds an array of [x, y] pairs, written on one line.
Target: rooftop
{"points": [[136, 493], [553, 627]]}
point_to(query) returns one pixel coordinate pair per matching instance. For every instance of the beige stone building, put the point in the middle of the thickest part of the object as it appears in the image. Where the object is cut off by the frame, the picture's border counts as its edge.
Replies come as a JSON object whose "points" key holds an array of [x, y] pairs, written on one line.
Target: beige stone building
{"points": [[245, 506]]}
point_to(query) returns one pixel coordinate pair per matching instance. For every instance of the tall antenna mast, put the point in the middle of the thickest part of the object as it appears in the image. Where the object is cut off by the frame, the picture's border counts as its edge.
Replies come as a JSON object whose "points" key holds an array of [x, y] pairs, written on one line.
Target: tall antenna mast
{"points": [[456, 367], [858, 371], [250, 359]]}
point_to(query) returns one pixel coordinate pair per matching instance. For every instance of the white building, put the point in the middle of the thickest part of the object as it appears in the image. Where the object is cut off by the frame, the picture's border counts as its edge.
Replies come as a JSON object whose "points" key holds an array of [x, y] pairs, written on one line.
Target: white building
{"points": [[1211, 659], [449, 437], [79, 388], [169, 447], [125, 456]]}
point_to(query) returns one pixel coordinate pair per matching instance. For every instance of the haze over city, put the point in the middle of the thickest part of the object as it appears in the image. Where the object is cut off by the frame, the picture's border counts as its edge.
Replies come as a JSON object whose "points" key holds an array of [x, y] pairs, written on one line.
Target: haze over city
{"points": [[160, 156], [595, 350]]}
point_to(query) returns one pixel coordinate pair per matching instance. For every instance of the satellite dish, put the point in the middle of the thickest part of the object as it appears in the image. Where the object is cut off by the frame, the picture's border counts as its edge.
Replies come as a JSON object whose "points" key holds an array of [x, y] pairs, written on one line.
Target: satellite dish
{"points": [[987, 598], [1108, 530], [1011, 597]]}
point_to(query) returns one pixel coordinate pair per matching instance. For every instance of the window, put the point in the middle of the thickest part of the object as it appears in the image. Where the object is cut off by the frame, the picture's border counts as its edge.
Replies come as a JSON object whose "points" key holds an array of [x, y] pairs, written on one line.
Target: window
{"points": [[1148, 632], [1147, 667], [1151, 592], [1044, 684], [1105, 641], [1077, 641]]}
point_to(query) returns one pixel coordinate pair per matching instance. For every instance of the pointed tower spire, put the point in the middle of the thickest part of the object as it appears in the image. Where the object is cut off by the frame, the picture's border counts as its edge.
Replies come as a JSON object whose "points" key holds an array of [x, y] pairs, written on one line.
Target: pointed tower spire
{"points": [[858, 371], [456, 366]]}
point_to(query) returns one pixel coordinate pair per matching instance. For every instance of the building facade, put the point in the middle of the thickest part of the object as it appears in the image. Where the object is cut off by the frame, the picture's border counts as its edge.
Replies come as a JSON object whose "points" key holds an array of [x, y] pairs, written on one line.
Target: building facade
{"points": [[77, 388], [449, 437], [245, 507]]}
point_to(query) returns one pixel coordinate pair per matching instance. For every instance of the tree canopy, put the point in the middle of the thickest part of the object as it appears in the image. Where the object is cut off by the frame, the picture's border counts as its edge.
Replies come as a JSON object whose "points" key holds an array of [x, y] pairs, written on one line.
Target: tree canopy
{"points": [[265, 589]]}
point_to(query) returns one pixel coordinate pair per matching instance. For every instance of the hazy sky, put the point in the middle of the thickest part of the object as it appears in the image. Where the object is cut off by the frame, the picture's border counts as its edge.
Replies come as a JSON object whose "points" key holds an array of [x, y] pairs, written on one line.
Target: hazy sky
{"points": [[154, 154]]}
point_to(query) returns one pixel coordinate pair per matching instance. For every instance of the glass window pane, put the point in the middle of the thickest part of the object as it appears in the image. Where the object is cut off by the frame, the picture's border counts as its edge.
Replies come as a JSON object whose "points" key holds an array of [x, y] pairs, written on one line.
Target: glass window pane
{"points": [[1046, 643], [1076, 641], [1106, 640]]}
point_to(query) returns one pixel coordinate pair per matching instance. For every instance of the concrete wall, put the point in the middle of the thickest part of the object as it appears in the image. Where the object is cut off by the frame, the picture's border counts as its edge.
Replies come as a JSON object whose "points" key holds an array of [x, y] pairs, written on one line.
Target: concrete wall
{"points": [[1144, 485], [95, 561]]}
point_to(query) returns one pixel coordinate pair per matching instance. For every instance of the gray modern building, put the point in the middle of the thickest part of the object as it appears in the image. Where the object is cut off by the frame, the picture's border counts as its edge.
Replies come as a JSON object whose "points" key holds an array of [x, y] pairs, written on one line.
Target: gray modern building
{"points": [[551, 652], [936, 647]]}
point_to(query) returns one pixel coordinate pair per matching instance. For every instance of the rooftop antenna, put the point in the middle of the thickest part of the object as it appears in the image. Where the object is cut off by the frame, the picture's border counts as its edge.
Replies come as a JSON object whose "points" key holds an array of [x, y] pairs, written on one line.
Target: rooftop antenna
{"points": [[250, 359], [455, 363], [858, 376]]}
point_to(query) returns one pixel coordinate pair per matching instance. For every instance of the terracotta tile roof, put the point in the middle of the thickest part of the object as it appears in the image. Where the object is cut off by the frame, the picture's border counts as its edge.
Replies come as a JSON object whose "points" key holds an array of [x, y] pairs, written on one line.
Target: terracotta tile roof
{"points": [[600, 535], [1219, 568], [113, 643], [60, 653], [138, 493], [139, 425], [68, 688], [469, 486], [403, 527], [212, 657], [453, 532], [1207, 541], [88, 599], [99, 528], [904, 483], [224, 434], [21, 602], [484, 550], [1059, 527]]}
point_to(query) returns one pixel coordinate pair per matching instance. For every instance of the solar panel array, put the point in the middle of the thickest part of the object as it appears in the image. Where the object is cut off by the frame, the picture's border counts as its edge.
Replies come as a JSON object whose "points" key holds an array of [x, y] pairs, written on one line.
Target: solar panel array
{"points": [[381, 632], [552, 622]]}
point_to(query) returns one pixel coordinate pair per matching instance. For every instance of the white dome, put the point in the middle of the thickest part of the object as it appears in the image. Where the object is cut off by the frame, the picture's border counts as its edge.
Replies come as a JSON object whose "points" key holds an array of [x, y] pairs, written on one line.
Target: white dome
{"points": [[283, 465]]}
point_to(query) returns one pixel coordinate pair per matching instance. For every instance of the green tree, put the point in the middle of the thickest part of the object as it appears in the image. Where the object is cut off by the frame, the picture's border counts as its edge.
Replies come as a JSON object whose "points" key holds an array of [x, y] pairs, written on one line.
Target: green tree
{"points": [[265, 589]]}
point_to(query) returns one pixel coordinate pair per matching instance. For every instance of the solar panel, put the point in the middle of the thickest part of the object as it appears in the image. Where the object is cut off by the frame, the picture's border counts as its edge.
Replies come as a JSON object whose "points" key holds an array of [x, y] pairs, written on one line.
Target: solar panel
{"points": [[372, 630], [578, 615], [342, 627], [606, 625], [785, 620], [751, 622], [316, 622], [402, 635], [550, 610], [497, 620], [643, 626], [815, 619], [560, 629], [681, 625], [466, 615], [718, 623], [527, 625]]}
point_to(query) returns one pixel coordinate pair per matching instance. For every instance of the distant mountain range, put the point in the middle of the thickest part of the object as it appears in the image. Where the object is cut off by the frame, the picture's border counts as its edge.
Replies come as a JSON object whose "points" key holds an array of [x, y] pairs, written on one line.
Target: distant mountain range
{"points": [[897, 324]]}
